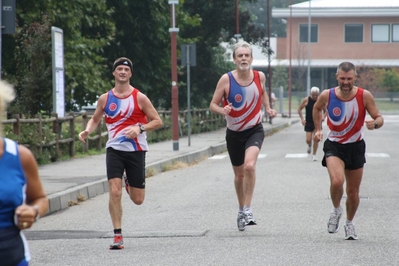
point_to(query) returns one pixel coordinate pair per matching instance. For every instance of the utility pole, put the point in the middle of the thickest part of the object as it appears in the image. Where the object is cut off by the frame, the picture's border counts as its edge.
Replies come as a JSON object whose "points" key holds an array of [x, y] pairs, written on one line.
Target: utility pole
{"points": [[290, 67], [175, 91], [237, 35], [269, 51]]}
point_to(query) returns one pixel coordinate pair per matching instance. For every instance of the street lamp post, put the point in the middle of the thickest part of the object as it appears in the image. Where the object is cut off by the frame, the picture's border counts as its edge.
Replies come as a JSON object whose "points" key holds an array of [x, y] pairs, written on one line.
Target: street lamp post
{"points": [[309, 39], [175, 91], [269, 51]]}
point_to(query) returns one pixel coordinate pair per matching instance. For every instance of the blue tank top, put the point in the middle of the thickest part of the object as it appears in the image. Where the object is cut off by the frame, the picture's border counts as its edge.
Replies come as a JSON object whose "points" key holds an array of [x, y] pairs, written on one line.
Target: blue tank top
{"points": [[12, 183]]}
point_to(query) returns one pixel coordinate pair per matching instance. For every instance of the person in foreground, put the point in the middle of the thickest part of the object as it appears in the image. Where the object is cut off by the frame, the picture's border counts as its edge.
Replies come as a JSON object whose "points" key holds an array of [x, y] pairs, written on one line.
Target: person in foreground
{"points": [[242, 93], [344, 149], [308, 103], [126, 110], [22, 197]]}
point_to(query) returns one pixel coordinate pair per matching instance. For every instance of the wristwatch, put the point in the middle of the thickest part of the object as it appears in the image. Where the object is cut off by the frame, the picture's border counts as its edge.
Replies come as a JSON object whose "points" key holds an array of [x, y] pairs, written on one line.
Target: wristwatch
{"points": [[375, 125], [142, 128], [37, 212]]}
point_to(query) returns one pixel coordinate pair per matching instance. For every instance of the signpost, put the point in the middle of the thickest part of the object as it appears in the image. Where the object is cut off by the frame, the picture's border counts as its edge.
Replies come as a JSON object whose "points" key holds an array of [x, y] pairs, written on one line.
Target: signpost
{"points": [[57, 37], [175, 90], [188, 58]]}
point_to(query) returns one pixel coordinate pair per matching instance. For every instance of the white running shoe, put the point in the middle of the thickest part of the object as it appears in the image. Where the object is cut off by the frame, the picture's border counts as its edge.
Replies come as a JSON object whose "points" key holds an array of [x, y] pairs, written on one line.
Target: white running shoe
{"points": [[333, 222], [314, 158], [241, 221], [249, 218], [350, 233]]}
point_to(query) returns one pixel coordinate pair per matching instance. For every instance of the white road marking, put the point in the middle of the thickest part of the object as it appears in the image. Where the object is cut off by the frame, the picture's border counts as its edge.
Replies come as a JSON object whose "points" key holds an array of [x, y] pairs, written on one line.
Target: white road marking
{"points": [[220, 157], [296, 155], [378, 155]]}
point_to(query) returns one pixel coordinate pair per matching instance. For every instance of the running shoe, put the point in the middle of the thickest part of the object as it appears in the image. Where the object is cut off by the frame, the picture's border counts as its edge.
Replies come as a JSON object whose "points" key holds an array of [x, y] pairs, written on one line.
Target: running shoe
{"points": [[241, 221], [308, 151], [118, 242], [314, 158], [126, 182], [249, 218], [333, 222], [350, 233]]}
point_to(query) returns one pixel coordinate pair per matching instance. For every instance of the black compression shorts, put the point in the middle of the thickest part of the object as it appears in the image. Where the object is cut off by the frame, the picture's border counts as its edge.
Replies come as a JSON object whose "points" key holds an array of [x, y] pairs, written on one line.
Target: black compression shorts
{"points": [[238, 141], [352, 154]]}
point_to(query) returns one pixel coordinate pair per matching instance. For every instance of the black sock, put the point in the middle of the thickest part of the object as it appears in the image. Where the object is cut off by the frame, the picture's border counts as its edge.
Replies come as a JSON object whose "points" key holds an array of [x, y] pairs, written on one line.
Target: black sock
{"points": [[118, 231]]}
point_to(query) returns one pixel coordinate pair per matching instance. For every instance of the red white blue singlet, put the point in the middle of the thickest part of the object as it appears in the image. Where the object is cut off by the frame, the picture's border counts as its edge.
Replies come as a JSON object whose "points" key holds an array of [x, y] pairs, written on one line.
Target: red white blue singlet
{"points": [[121, 114], [246, 104], [345, 118]]}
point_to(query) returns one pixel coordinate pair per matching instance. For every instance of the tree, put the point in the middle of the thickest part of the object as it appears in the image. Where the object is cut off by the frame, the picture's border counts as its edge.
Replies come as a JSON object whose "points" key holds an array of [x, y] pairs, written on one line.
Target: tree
{"points": [[33, 66], [87, 31]]}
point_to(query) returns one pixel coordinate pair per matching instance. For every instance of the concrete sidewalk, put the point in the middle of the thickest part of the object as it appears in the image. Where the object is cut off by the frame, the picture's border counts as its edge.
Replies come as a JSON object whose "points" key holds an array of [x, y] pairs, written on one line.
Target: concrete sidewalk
{"points": [[67, 182]]}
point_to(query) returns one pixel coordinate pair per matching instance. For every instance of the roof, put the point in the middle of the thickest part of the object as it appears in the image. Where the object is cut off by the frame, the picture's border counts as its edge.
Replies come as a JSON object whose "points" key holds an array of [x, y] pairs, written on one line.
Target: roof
{"points": [[340, 8], [324, 63]]}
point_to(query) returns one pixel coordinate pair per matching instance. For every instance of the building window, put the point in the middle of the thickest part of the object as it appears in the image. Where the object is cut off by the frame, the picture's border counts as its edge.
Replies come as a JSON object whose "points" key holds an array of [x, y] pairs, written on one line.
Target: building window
{"points": [[303, 32], [353, 32], [380, 33], [395, 32]]}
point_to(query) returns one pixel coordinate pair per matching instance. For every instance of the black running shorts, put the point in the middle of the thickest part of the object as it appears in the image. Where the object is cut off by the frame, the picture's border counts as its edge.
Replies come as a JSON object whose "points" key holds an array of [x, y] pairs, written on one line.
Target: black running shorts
{"points": [[238, 141], [352, 154], [133, 162]]}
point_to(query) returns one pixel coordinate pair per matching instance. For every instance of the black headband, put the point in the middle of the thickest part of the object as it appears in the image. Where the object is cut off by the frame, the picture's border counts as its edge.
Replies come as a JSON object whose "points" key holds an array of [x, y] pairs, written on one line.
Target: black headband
{"points": [[122, 62]]}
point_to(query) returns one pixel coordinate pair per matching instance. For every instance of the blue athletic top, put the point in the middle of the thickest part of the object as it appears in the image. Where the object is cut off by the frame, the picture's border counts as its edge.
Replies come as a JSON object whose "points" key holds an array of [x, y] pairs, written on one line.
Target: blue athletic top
{"points": [[12, 183], [13, 245]]}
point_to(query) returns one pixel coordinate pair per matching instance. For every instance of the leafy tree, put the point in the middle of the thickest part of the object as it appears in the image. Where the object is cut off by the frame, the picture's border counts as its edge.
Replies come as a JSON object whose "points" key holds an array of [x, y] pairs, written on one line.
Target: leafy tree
{"points": [[32, 57], [87, 30], [143, 36], [389, 80]]}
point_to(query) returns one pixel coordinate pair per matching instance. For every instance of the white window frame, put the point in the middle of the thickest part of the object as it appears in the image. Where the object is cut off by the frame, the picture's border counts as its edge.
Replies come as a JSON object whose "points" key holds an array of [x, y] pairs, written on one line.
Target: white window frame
{"points": [[380, 29]]}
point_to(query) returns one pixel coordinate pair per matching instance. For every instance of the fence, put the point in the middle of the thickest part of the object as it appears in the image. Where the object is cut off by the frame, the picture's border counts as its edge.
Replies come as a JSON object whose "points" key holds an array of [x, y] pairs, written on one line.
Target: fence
{"points": [[207, 120]]}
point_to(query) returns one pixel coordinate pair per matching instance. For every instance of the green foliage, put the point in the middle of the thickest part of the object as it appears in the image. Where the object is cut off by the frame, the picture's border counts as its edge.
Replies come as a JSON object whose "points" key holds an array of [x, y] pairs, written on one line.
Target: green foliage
{"points": [[33, 66]]}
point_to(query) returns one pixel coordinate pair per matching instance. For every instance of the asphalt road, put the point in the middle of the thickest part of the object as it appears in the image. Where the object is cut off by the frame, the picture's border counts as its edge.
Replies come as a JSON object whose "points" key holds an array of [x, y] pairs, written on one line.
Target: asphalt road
{"points": [[189, 215]]}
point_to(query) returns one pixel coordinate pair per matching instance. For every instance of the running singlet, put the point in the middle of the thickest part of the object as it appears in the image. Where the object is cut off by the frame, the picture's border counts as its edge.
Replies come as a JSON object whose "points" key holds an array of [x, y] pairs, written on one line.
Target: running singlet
{"points": [[13, 244], [121, 114], [345, 118], [246, 104], [309, 111]]}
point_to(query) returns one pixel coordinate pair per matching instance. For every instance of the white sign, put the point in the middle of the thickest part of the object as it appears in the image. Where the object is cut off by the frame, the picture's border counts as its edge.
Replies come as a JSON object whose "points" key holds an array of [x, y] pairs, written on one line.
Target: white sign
{"points": [[58, 71]]}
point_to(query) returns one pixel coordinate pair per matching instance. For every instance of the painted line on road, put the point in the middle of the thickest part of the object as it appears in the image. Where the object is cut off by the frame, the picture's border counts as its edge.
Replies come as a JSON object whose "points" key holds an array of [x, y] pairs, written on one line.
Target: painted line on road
{"points": [[378, 155], [220, 157], [296, 155]]}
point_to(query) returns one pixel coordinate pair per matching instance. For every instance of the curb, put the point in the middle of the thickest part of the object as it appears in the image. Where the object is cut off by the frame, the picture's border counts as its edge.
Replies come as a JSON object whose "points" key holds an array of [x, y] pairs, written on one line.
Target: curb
{"points": [[72, 196]]}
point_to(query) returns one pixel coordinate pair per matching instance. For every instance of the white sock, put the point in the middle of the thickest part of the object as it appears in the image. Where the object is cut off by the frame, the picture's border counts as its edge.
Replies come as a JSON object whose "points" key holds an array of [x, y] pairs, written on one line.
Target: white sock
{"points": [[337, 210], [247, 208], [348, 222]]}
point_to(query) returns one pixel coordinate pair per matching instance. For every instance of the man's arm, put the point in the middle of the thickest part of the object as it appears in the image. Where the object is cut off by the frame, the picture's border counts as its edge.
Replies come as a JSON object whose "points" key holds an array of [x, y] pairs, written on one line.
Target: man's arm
{"points": [[220, 91], [301, 106], [151, 113], [265, 97], [318, 107], [95, 119], [371, 107]]}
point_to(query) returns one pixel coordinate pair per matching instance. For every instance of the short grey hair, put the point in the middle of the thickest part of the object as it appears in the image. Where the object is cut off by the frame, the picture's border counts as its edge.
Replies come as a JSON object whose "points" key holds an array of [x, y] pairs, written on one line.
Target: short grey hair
{"points": [[314, 89], [346, 67], [239, 45]]}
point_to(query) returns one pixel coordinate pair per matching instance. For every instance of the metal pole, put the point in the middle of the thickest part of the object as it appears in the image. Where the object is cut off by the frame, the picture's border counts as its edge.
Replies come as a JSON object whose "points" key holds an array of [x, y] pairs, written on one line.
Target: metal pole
{"points": [[268, 53], [237, 35], [290, 68], [175, 92], [309, 34], [188, 97]]}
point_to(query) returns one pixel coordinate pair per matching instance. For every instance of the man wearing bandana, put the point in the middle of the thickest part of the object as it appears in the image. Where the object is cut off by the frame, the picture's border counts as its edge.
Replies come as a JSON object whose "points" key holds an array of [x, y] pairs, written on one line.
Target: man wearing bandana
{"points": [[126, 111]]}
